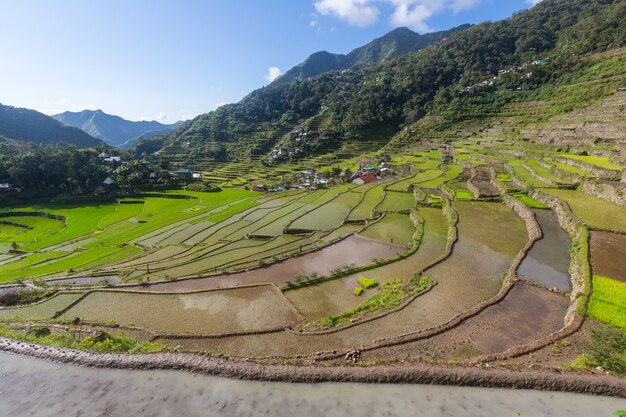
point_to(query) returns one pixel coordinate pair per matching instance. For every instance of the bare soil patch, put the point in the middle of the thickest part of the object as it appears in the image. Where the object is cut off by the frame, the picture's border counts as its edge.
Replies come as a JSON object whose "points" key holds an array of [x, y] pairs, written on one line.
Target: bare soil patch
{"points": [[608, 255], [526, 314]]}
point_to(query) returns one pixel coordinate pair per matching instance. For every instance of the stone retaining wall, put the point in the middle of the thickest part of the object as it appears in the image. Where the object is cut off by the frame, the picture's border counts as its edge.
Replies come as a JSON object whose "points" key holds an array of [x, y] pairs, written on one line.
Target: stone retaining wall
{"points": [[414, 374], [612, 191], [579, 264]]}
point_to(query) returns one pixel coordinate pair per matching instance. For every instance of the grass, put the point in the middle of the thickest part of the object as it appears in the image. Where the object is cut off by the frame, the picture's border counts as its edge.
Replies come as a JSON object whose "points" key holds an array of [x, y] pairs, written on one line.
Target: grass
{"points": [[367, 283], [43, 336], [596, 213], [524, 175], [460, 191], [606, 349], [393, 292], [329, 215], [394, 228], [544, 172], [599, 161], [395, 201], [529, 201], [365, 208], [608, 301], [44, 310]]}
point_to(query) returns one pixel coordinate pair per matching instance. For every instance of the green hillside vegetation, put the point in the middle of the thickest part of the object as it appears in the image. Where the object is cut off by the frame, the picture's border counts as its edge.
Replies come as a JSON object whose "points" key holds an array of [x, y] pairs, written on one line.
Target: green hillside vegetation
{"points": [[395, 43], [403, 90]]}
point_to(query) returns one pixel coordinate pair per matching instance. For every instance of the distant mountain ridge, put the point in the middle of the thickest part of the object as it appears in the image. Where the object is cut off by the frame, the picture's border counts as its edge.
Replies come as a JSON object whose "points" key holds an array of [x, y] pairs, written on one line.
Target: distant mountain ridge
{"points": [[398, 42], [114, 130], [31, 126]]}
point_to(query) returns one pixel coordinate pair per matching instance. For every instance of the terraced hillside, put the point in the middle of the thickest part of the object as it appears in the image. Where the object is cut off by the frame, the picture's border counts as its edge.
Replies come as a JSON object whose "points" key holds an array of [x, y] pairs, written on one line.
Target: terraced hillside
{"points": [[388, 269]]}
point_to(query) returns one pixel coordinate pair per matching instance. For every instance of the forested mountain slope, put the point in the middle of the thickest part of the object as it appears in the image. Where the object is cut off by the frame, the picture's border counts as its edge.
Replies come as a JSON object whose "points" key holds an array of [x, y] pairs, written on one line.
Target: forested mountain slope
{"points": [[384, 99], [398, 42]]}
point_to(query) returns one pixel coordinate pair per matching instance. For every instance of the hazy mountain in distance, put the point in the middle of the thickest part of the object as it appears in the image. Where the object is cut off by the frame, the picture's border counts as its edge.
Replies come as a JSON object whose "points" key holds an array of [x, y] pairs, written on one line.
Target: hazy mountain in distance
{"points": [[114, 130], [32, 126]]}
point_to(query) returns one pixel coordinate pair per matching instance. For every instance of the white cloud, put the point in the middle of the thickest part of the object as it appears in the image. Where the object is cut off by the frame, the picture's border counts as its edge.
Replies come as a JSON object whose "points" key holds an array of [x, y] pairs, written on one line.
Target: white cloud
{"points": [[273, 73], [360, 13], [458, 6], [411, 13], [313, 23], [533, 2], [161, 117]]}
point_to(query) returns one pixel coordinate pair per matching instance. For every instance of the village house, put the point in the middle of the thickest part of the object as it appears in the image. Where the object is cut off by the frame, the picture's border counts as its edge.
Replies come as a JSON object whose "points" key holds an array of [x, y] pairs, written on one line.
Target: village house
{"points": [[364, 179], [113, 160], [184, 173], [5, 187]]}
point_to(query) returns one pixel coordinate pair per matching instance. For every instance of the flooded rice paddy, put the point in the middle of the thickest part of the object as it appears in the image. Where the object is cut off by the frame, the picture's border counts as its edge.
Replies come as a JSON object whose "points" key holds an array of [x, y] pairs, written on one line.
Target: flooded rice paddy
{"points": [[472, 274], [334, 297], [31, 387], [608, 255], [526, 314], [547, 262], [352, 250], [207, 312]]}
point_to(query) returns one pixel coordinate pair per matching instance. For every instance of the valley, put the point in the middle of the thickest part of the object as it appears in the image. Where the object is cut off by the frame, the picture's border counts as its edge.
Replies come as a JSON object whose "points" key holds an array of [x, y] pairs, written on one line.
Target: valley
{"points": [[445, 208]]}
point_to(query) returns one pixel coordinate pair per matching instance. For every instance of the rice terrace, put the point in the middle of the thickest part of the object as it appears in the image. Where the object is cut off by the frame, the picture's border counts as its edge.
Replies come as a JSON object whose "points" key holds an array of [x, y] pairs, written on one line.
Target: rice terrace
{"points": [[366, 224]]}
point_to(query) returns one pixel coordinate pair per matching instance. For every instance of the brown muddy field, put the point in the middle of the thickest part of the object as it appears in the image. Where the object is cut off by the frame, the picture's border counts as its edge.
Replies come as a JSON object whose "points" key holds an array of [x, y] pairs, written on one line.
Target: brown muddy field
{"points": [[608, 255], [337, 296], [547, 262], [472, 274], [205, 312], [526, 314], [482, 181], [352, 250]]}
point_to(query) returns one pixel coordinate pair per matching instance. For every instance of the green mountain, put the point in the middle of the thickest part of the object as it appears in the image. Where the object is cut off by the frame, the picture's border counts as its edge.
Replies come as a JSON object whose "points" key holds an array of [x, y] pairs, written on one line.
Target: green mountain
{"points": [[31, 126], [114, 130], [472, 73], [398, 42]]}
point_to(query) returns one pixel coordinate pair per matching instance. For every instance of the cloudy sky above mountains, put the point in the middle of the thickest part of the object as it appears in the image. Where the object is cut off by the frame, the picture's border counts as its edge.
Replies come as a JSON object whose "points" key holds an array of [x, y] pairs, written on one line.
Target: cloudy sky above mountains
{"points": [[170, 60]]}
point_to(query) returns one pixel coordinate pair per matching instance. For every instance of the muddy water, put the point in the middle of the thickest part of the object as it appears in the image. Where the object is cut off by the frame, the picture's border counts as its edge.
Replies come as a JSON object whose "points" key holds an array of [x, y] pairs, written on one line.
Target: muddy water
{"points": [[30, 387], [352, 250], [334, 297], [472, 274], [526, 314], [547, 262], [608, 255]]}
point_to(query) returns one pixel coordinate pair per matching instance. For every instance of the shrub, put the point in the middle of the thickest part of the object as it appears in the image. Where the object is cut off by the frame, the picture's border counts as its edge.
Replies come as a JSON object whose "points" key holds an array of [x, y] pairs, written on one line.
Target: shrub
{"points": [[367, 282], [608, 349], [118, 344], [204, 187], [358, 291]]}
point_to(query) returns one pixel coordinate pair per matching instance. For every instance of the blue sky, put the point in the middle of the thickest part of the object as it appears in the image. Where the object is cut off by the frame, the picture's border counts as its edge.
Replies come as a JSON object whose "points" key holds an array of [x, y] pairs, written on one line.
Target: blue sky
{"points": [[168, 60]]}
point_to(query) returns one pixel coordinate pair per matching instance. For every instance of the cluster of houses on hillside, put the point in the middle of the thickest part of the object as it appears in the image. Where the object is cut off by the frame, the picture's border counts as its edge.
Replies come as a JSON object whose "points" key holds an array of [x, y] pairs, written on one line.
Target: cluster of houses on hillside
{"points": [[502, 73], [152, 176], [299, 141], [311, 180]]}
